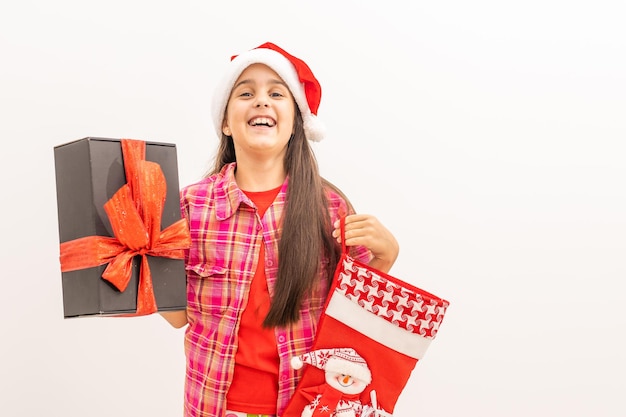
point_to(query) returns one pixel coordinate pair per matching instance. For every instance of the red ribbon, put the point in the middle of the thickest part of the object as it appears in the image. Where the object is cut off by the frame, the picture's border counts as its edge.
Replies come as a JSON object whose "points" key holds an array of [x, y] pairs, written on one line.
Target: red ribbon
{"points": [[135, 212]]}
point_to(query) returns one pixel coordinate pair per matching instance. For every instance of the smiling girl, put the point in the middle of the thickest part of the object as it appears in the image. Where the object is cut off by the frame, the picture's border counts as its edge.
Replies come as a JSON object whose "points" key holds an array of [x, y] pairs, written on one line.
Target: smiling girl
{"points": [[264, 226]]}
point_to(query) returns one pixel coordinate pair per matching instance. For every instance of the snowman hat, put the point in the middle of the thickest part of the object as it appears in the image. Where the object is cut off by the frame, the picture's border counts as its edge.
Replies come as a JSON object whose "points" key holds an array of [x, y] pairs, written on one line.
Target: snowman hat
{"points": [[341, 360], [306, 90]]}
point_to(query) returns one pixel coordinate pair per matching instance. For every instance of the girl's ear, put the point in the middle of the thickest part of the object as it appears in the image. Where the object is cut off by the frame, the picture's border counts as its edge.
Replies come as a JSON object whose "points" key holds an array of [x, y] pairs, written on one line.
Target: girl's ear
{"points": [[225, 128]]}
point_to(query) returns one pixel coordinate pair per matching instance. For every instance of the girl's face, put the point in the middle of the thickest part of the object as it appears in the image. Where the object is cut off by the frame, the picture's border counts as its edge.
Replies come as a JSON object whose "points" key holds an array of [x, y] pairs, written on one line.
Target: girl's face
{"points": [[260, 113]]}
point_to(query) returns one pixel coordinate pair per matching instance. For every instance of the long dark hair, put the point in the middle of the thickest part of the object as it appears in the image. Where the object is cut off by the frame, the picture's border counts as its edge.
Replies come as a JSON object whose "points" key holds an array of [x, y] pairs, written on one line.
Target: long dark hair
{"points": [[306, 226]]}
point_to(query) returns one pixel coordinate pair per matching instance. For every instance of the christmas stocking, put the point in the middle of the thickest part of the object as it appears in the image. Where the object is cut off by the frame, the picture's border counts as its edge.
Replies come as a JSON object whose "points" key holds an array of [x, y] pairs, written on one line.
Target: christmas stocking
{"points": [[371, 320]]}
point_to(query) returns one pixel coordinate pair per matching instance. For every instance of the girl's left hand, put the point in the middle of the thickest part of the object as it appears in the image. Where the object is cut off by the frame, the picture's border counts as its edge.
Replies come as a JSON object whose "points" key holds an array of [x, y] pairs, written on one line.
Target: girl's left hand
{"points": [[366, 230]]}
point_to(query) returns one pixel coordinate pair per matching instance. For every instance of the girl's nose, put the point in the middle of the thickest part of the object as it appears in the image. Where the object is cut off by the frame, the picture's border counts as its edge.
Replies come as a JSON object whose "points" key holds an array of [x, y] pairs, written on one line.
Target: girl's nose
{"points": [[262, 102]]}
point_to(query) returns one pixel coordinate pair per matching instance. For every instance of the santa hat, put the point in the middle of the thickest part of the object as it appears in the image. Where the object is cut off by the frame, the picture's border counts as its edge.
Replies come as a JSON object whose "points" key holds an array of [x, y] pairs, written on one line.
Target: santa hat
{"points": [[303, 85], [341, 360]]}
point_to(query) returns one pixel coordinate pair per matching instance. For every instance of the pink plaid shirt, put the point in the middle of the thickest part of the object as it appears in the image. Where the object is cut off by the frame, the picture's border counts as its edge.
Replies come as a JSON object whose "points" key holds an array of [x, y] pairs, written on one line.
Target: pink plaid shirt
{"points": [[227, 233]]}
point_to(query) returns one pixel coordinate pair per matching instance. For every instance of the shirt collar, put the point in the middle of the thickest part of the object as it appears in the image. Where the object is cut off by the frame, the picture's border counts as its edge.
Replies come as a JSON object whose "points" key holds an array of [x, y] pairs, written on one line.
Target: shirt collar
{"points": [[228, 195]]}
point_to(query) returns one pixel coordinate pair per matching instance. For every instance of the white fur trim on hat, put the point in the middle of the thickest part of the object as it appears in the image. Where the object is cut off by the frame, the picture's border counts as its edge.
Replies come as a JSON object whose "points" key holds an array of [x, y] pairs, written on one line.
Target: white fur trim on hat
{"points": [[313, 128]]}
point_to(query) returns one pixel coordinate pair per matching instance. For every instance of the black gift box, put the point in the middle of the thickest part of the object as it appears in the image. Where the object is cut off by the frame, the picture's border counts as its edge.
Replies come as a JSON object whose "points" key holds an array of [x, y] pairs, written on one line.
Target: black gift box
{"points": [[88, 172]]}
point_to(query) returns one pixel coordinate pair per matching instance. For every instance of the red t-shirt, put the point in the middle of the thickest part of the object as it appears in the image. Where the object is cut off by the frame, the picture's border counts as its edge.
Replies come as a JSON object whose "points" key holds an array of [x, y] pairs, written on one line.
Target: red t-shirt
{"points": [[255, 380]]}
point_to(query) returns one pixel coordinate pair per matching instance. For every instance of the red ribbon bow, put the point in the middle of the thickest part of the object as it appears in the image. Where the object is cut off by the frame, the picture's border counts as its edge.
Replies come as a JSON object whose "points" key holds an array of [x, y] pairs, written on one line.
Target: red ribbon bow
{"points": [[135, 212]]}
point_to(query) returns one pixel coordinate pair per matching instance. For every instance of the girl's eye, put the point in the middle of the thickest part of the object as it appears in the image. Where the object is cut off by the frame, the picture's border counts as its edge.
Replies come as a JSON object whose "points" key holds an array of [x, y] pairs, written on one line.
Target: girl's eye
{"points": [[276, 94], [245, 94]]}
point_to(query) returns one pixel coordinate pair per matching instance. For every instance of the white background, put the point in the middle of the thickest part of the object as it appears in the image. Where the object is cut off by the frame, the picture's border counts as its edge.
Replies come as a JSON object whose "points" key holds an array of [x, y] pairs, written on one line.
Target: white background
{"points": [[487, 135]]}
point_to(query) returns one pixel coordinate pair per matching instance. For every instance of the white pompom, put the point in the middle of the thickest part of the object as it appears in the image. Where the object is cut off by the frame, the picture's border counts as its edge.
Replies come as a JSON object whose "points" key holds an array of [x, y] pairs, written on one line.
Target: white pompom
{"points": [[296, 362], [314, 128]]}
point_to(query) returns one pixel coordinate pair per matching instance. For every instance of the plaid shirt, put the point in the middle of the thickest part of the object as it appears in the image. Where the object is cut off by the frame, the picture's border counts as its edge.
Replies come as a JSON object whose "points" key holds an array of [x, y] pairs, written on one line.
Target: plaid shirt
{"points": [[227, 233]]}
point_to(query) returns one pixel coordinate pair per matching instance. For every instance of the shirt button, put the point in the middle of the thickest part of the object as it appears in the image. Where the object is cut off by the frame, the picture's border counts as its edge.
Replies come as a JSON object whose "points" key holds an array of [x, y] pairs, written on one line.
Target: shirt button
{"points": [[259, 227], [270, 263], [281, 339]]}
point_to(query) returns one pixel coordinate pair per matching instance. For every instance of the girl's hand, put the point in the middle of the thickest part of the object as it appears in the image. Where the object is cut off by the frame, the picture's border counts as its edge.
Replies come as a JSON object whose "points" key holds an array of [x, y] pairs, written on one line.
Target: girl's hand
{"points": [[366, 230], [177, 319]]}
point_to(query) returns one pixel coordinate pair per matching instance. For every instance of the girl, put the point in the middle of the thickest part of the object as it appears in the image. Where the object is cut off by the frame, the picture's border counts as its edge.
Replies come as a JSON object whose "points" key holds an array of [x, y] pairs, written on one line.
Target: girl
{"points": [[265, 233]]}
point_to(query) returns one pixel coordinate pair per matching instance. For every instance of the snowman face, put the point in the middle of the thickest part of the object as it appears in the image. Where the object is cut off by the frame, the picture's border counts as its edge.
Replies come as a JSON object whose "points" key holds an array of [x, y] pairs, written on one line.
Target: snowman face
{"points": [[345, 383]]}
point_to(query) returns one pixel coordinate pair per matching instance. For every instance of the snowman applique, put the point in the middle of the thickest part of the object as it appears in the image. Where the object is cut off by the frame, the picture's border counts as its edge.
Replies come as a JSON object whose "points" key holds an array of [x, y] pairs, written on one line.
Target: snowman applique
{"points": [[346, 375]]}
